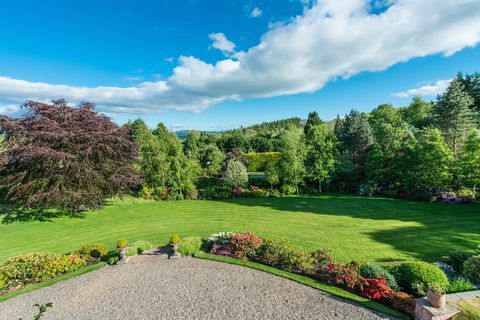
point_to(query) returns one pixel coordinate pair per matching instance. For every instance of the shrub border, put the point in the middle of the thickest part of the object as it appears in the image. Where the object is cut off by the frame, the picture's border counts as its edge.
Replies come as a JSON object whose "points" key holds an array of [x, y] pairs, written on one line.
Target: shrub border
{"points": [[335, 291], [50, 282]]}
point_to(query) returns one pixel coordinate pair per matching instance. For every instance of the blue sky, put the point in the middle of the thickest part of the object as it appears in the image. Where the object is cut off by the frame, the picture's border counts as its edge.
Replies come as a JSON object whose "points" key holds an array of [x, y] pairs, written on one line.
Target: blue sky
{"points": [[243, 61]]}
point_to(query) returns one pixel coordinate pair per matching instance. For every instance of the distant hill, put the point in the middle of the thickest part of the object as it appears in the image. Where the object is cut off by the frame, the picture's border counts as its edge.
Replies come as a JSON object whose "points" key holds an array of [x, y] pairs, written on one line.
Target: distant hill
{"points": [[182, 134]]}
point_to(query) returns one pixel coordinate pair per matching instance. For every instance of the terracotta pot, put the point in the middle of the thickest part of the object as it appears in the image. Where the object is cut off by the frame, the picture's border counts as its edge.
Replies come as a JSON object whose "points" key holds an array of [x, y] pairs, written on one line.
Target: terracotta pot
{"points": [[436, 300]]}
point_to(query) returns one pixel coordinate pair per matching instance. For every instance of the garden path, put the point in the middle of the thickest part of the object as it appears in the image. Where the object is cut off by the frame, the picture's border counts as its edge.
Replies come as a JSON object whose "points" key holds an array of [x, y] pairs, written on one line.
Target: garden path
{"points": [[185, 288]]}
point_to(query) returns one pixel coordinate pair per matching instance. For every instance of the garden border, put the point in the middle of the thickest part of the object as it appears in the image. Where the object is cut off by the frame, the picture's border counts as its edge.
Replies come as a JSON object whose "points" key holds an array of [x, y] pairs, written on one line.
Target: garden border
{"points": [[335, 291], [52, 281]]}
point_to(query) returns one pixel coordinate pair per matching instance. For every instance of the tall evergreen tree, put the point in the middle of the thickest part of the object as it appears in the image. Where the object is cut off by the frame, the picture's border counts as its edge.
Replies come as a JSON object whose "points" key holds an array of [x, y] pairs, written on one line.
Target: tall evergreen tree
{"points": [[312, 121], [471, 83], [454, 116]]}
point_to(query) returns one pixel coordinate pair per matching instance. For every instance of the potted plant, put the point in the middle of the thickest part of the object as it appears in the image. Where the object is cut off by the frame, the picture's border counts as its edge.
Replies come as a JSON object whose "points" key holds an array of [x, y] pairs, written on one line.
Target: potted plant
{"points": [[174, 242], [122, 247], [436, 296]]}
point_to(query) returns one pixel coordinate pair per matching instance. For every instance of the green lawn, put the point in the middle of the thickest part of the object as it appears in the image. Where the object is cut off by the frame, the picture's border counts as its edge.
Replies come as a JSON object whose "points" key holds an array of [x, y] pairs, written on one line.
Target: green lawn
{"points": [[373, 229]]}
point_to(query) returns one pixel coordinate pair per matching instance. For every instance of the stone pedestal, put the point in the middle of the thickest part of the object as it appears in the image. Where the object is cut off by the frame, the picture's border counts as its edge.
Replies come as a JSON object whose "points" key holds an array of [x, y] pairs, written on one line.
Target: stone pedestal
{"points": [[425, 311]]}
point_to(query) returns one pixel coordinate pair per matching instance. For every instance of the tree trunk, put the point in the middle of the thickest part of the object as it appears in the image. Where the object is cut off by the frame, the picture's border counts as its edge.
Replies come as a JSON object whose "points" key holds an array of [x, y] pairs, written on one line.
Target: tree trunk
{"points": [[319, 186], [474, 191], [271, 186]]}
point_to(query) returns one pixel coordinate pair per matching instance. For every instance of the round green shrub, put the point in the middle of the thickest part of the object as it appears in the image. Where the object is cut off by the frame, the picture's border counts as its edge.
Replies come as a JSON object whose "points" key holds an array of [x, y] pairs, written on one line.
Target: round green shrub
{"points": [[457, 258], [374, 271], [190, 245], [93, 250], [416, 277], [471, 269], [138, 247], [122, 243], [174, 239]]}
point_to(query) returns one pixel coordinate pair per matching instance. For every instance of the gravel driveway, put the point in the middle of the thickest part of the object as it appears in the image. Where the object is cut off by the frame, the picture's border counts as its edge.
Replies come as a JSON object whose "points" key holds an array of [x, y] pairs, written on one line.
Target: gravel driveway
{"points": [[185, 288]]}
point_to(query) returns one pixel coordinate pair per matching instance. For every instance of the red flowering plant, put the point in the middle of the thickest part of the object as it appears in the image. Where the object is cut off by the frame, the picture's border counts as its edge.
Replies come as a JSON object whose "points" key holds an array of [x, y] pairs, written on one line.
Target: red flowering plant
{"points": [[346, 275], [244, 244], [376, 289]]}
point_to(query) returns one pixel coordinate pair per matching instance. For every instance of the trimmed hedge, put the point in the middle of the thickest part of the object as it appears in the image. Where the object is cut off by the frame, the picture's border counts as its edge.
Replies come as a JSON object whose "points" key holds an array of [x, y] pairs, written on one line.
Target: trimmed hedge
{"points": [[416, 277], [471, 269], [257, 162]]}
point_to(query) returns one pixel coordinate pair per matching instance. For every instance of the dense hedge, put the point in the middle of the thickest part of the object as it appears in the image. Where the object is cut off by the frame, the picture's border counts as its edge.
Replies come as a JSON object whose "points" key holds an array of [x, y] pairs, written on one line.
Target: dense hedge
{"points": [[257, 162]]}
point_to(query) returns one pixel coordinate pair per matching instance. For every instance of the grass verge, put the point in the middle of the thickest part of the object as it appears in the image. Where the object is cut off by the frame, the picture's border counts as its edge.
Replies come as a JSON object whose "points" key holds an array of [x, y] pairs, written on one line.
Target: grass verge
{"points": [[51, 281], [335, 291]]}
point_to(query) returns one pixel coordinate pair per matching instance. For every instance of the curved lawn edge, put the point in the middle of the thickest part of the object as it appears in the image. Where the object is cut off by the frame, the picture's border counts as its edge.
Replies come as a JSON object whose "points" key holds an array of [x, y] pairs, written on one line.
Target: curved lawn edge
{"points": [[50, 282], [335, 291]]}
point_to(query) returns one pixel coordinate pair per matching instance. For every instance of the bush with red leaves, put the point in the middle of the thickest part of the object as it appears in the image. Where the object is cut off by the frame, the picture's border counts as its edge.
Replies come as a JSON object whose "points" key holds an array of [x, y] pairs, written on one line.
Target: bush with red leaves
{"points": [[376, 289], [244, 244], [346, 275]]}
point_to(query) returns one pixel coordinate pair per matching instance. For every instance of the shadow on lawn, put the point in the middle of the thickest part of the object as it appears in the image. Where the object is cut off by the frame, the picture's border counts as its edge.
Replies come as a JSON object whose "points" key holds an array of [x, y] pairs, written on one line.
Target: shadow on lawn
{"points": [[441, 226], [13, 214]]}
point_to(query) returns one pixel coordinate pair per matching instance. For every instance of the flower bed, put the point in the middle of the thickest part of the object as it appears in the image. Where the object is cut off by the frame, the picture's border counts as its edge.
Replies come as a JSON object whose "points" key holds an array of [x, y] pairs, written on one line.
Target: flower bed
{"points": [[381, 284]]}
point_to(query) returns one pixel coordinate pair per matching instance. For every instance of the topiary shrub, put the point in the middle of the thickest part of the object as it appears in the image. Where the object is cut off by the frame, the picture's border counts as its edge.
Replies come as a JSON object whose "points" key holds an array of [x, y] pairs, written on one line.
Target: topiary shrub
{"points": [[416, 277], [93, 251], [280, 254], [36, 267], [174, 239], [190, 245], [138, 247], [460, 285], [457, 258], [374, 272], [471, 269]]}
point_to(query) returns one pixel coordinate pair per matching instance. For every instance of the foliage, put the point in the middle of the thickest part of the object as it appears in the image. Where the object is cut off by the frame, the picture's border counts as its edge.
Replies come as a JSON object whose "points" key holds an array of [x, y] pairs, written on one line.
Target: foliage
{"points": [[371, 271], [138, 247], [346, 275], [460, 285], [469, 163], [112, 257], [174, 239], [95, 251], [454, 116], [36, 267], [235, 174], [280, 254], [233, 140], [322, 258], [416, 277], [320, 153], [376, 289], [403, 302], [146, 193], [122, 243], [211, 158], [66, 158], [292, 167], [418, 114], [457, 258], [259, 161], [471, 269], [190, 245], [244, 245]]}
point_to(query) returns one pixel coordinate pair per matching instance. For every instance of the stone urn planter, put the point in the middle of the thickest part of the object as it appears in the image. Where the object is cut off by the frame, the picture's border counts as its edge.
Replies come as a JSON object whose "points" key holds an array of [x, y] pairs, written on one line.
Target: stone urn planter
{"points": [[437, 297], [122, 246], [174, 243]]}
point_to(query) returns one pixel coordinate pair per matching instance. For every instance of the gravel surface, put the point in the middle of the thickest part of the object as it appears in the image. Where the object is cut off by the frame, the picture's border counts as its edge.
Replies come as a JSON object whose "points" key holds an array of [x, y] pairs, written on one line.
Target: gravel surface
{"points": [[185, 288]]}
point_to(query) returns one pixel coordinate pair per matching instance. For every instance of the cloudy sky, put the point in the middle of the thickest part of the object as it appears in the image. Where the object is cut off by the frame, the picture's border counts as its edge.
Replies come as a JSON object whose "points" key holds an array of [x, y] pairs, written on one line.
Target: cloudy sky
{"points": [[210, 65]]}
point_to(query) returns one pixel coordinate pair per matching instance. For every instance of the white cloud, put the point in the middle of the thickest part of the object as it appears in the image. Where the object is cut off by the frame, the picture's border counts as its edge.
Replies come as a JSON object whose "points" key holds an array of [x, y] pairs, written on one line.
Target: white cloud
{"points": [[330, 39], [221, 43], [434, 89], [256, 12]]}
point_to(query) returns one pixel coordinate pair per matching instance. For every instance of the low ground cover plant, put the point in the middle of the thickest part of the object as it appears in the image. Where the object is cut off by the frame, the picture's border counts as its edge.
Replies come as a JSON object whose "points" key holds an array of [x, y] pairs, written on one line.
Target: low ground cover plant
{"points": [[93, 252], [138, 247], [190, 245], [36, 267]]}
